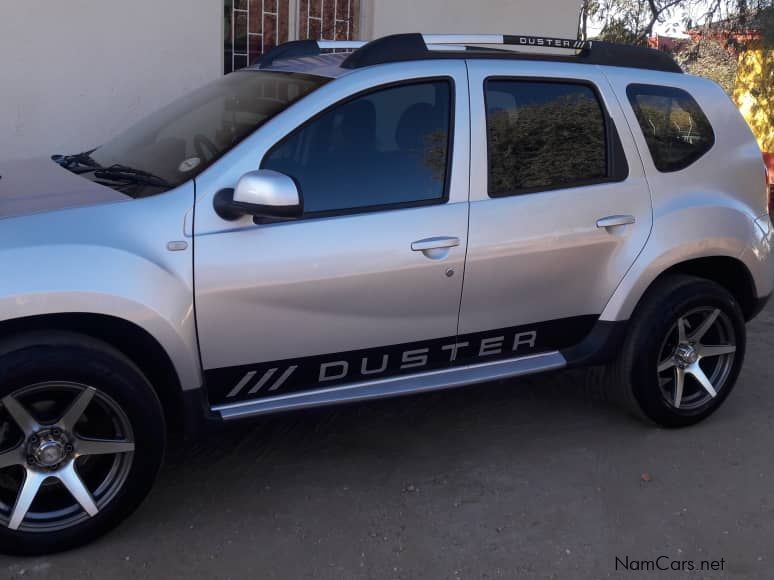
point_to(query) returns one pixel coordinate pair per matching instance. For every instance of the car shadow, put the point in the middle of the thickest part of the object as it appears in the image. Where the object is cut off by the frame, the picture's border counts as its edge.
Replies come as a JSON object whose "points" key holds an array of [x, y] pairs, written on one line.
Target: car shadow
{"points": [[391, 434]]}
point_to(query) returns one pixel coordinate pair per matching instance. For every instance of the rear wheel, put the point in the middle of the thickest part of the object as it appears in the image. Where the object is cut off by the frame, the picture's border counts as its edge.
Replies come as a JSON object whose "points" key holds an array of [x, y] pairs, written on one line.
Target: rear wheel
{"points": [[81, 440], [683, 353]]}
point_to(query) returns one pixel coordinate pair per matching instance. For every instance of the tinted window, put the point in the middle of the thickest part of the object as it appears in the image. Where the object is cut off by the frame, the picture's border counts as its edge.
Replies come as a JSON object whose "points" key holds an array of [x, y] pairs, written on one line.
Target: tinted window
{"points": [[383, 148], [675, 128], [543, 135]]}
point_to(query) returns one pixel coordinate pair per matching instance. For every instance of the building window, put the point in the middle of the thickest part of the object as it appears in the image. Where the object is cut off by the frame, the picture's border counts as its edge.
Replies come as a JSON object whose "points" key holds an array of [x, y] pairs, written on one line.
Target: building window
{"points": [[252, 27], [328, 19]]}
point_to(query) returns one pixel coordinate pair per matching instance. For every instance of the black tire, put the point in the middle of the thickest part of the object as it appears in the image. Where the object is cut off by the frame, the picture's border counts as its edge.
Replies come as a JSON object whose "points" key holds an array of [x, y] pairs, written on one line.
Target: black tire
{"points": [[633, 380], [40, 358]]}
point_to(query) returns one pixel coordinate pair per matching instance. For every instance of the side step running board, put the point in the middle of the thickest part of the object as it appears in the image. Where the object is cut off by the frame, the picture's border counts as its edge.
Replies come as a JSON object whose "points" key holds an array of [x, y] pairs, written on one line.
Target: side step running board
{"points": [[394, 386]]}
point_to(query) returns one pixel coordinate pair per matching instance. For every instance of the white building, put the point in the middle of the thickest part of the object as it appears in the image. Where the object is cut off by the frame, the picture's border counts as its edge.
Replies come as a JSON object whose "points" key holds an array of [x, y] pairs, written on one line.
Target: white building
{"points": [[74, 73]]}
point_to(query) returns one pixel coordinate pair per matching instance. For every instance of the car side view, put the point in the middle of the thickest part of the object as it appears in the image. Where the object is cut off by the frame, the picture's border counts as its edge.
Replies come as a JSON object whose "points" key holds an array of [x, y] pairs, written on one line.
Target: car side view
{"points": [[414, 213]]}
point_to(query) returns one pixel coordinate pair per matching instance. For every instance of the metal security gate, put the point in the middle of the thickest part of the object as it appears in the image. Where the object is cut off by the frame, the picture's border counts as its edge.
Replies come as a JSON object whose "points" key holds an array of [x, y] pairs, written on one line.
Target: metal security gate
{"points": [[252, 27], [328, 19]]}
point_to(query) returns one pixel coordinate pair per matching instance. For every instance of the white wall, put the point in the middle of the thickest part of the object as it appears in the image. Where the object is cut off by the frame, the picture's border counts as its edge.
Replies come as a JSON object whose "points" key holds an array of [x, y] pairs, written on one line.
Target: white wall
{"points": [[536, 17], [75, 72]]}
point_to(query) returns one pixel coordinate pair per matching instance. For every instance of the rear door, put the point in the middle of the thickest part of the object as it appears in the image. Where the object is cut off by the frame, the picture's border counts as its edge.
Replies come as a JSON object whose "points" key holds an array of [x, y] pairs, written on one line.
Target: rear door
{"points": [[367, 283], [557, 213]]}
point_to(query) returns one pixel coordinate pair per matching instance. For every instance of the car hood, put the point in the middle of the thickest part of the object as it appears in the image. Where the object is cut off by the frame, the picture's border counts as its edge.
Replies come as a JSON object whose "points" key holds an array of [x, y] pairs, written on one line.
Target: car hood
{"points": [[40, 185]]}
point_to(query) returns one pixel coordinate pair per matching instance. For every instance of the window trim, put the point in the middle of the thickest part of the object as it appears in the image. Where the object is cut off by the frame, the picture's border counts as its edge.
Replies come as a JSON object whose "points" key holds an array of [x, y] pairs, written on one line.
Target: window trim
{"points": [[615, 156], [389, 206], [664, 91]]}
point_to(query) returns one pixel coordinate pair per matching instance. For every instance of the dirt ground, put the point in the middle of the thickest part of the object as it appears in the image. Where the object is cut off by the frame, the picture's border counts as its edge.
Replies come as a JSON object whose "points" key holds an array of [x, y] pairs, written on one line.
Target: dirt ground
{"points": [[535, 478]]}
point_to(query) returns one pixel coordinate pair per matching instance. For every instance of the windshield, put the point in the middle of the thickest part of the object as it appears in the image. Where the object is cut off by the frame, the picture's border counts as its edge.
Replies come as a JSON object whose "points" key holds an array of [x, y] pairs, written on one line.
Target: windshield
{"points": [[181, 140]]}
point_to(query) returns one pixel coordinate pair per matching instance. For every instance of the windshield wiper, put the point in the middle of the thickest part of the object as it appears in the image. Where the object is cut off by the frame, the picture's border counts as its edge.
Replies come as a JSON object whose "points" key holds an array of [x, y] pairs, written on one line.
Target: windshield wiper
{"points": [[126, 174], [84, 158], [116, 172]]}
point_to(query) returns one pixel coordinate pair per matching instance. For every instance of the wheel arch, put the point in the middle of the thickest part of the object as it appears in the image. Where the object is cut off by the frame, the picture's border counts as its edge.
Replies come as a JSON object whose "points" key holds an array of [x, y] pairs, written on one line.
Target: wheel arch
{"points": [[730, 273], [139, 345], [727, 271]]}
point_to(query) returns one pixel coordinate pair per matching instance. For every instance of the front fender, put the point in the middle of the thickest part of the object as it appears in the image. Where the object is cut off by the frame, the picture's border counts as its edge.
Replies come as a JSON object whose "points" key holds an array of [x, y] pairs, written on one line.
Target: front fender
{"points": [[109, 260], [688, 229]]}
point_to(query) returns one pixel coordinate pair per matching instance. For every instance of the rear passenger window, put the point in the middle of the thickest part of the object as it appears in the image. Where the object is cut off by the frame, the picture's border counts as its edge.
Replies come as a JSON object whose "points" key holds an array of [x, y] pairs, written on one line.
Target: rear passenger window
{"points": [[675, 128], [387, 148], [543, 135]]}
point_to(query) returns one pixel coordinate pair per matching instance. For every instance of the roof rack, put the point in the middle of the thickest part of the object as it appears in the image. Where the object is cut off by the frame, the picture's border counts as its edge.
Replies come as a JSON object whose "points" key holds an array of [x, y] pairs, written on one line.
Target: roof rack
{"points": [[415, 46], [404, 47]]}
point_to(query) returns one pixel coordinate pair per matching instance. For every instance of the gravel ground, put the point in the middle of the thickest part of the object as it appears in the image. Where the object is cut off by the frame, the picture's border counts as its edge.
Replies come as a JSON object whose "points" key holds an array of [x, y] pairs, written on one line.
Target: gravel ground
{"points": [[535, 478]]}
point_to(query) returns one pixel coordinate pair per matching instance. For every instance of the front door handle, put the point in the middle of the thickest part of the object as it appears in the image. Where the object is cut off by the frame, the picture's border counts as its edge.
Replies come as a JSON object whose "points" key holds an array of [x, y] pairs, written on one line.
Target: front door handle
{"points": [[612, 221], [435, 243]]}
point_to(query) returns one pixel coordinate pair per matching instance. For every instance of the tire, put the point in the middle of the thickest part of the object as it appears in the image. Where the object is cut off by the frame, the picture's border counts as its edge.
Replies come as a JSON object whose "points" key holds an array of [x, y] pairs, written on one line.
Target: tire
{"points": [[96, 416], [634, 379]]}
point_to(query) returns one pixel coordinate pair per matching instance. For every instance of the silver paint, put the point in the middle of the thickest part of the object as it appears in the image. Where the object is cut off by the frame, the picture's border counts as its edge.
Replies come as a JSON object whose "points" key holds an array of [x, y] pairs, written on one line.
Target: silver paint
{"points": [[314, 286], [708, 209], [541, 256], [266, 187], [108, 259]]}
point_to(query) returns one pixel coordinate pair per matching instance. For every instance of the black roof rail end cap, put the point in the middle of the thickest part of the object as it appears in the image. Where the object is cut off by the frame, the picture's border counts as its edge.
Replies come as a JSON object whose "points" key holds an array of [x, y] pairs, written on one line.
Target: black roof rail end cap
{"points": [[292, 49], [392, 48]]}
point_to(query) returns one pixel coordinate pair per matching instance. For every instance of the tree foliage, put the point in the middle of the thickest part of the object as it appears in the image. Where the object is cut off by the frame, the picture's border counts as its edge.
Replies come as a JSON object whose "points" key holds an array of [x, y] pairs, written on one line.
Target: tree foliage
{"points": [[710, 59], [634, 21], [754, 93]]}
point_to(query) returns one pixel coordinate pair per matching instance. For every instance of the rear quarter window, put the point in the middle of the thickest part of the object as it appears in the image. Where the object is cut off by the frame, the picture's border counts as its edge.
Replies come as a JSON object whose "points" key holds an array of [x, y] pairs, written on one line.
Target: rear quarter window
{"points": [[675, 128]]}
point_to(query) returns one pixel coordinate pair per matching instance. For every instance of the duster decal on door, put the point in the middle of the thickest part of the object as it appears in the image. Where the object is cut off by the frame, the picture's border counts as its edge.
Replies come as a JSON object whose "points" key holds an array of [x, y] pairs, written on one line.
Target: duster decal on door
{"points": [[268, 379]]}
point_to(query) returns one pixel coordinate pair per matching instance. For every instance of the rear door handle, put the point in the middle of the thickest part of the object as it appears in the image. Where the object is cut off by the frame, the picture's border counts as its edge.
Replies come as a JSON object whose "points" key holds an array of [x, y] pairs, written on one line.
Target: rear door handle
{"points": [[615, 220], [435, 243]]}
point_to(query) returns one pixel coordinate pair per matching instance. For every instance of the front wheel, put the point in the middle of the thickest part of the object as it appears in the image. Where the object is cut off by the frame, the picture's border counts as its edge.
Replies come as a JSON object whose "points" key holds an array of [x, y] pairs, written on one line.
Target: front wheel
{"points": [[81, 440], [684, 350]]}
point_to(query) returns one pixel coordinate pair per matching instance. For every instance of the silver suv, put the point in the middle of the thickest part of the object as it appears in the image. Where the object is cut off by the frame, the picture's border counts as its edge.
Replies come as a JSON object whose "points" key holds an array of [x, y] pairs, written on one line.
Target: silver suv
{"points": [[410, 214]]}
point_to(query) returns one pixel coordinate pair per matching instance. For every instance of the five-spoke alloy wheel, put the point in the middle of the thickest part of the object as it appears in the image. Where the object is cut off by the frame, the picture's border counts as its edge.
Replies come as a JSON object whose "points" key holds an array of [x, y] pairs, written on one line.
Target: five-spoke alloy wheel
{"points": [[696, 358], [683, 351], [82, 437]]}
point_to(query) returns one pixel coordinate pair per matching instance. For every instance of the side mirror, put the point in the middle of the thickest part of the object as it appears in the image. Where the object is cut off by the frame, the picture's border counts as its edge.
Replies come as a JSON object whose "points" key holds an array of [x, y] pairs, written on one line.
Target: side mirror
{"points": [[263, 193]]}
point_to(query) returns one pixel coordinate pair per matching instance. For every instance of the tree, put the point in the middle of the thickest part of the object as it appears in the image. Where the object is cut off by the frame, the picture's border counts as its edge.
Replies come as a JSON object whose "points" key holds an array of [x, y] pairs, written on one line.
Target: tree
{"points": [[710, 59], [633, 21]]}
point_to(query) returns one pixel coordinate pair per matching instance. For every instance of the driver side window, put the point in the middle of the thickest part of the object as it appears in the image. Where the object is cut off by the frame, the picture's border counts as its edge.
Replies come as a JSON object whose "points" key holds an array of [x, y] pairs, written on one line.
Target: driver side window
{"points": [[383, 149]]}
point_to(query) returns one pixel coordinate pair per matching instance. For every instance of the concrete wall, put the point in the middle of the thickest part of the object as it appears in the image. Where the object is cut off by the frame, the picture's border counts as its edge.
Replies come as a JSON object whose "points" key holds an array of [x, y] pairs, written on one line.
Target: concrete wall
{"points": [[75, 72], [548, 17]]}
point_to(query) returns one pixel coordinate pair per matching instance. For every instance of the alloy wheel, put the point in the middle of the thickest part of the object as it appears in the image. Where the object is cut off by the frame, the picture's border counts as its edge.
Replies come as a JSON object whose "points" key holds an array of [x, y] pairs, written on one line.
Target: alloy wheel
{"points": [[696, 358], [66, 450]]}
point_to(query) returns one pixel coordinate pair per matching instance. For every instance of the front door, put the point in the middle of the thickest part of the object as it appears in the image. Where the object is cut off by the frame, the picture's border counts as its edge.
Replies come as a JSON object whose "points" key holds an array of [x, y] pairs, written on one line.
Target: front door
{"points": [[557, 213], [366, 282]]}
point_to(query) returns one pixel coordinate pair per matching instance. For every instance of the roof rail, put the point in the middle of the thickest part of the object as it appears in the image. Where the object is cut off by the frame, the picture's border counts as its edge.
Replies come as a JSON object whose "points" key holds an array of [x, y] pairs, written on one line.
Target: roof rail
{"points": [[299, 48], [415, 46], [506, 39]]}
